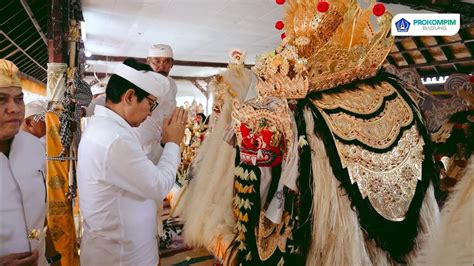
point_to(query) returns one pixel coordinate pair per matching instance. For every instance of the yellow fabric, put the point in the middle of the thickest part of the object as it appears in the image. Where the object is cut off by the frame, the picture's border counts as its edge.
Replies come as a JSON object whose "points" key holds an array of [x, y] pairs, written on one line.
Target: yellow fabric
{"points": [[32, 86], [8, 74], [60, 215]]}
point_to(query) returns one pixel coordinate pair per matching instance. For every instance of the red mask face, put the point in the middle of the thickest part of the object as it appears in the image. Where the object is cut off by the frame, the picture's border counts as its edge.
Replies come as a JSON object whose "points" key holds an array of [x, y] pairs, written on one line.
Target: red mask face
{"points": [[256, 148]]}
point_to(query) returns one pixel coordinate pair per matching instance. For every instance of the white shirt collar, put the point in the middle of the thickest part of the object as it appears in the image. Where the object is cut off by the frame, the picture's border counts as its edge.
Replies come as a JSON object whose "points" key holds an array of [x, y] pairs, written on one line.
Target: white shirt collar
{"points": [[106, 112]]}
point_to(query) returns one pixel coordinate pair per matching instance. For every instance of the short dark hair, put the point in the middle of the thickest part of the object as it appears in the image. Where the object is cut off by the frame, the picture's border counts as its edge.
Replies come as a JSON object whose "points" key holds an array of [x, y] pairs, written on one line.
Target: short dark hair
{"points": [[117, 85]]}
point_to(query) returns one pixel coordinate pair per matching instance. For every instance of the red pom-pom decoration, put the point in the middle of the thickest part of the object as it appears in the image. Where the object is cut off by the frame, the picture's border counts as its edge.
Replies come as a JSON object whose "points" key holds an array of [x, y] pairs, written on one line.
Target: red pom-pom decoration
{"points": [[471, 79], [322, 7], [283, 36], [378, 10], [279, 25], [280, 2]]}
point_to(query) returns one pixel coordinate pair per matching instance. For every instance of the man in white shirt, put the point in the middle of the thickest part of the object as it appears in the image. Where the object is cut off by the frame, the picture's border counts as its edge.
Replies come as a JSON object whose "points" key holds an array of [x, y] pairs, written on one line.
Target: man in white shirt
{"points": [[120, 188], [22, 188], [160, 58]]}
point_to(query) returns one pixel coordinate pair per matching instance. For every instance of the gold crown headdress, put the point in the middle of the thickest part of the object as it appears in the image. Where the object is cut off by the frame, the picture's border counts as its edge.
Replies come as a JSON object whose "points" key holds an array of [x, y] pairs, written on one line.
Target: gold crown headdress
{"points": [[307, 29], [282, 74], [324, 49], [355, 51]]}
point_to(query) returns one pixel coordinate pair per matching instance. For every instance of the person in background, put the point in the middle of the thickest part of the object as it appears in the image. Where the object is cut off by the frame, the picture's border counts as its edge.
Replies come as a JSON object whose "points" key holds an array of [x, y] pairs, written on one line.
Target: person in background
{"points": [[98, 98], [33, 124], [160, 59], [98, 90], [120, 188], [22, 188]]}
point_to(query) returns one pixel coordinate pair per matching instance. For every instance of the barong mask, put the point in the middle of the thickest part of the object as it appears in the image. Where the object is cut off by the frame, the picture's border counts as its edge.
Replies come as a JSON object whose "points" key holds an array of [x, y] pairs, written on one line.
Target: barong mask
{"points": [[263, 131]]}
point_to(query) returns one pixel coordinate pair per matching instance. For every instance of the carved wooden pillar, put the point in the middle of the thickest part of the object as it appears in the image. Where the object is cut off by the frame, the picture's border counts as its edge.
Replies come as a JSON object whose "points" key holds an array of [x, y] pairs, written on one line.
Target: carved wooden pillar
{"points": [[60, 215], [57, 29]]}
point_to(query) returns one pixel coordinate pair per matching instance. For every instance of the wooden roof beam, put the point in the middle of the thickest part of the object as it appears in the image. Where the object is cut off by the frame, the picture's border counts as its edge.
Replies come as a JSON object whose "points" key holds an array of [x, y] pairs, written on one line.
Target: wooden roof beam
{"points": [[23, 51], [200, 87], [446, 51], [407, 58], [103, 74], [176, 62], [434, 46], [391, 61], [33, 20], [427, 55], [466, 36], [440, 63]]}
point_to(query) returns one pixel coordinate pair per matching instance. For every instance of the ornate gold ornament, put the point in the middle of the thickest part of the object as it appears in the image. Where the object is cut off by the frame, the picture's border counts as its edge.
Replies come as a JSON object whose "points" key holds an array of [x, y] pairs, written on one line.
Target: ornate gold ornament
{"points": [[271, 236], [37, 234], [388, 173], [282, 75], [220, 90], [388, 179], [354, 52], [271, 115], [309, 30], [365, 100], [379, 131], [323, 50]]}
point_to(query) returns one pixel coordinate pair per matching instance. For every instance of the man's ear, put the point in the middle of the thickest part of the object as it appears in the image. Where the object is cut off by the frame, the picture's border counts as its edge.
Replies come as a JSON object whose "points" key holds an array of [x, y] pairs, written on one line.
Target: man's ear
{"points": [[127, 97]]}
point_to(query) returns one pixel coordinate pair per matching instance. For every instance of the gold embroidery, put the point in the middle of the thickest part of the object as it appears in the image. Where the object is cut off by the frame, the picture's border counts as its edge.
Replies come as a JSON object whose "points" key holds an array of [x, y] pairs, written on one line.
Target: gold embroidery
{"points": [[59, 208], [57, 182], [282, 86], [388, 179], [270, 236], [378, 162], [323, 50], [379, 132], [56, 232], [364, 99], [309, 30], [354, 52], [282, 74]]}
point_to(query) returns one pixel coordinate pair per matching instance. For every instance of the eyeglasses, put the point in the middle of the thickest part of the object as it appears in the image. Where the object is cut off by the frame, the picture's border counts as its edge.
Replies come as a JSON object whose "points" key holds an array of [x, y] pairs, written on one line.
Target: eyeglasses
{"points": [[153, 103]]}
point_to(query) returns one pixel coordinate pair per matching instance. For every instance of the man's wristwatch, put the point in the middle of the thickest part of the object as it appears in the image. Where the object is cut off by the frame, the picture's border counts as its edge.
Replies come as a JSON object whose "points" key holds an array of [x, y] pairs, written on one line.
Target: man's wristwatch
{"points": [[54, 258]]}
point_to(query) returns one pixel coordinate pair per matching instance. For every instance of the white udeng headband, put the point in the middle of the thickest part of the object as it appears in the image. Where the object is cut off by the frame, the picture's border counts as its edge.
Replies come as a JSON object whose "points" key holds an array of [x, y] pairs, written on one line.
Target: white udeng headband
{"points": [[149, 81]]}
